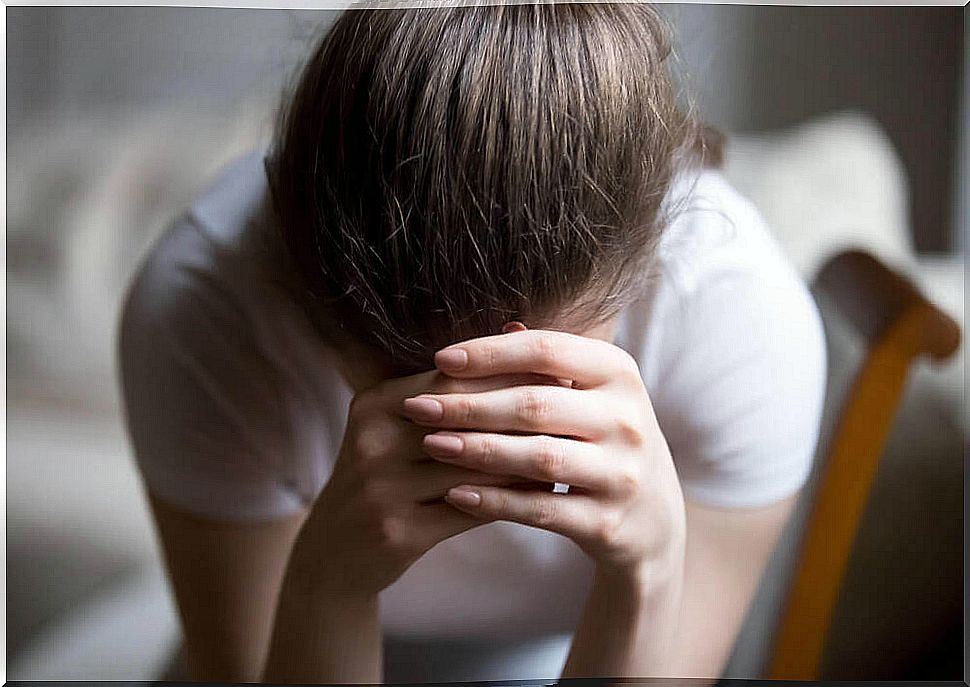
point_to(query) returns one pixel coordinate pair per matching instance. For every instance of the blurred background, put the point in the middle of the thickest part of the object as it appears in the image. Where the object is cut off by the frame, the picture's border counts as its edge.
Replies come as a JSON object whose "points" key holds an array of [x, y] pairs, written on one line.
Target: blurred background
{"points": [[847, 126]]}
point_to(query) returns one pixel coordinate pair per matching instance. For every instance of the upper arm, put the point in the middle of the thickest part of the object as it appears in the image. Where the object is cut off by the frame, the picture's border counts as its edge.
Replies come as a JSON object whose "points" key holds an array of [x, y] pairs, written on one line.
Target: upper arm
{"points": [[743, 406], [205, 409], [740, 403], [727, 550], [204, 414], [226, 578]]}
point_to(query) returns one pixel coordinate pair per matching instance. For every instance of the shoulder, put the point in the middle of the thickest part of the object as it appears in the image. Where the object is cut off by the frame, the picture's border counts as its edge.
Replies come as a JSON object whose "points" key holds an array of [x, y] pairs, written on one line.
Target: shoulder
{"points": [[721, 277], [734, 351], [197, 321], [719, 267], [715, 231], [203, 376], [202, 280], [180, 293], [230, 202], [188, 342]]}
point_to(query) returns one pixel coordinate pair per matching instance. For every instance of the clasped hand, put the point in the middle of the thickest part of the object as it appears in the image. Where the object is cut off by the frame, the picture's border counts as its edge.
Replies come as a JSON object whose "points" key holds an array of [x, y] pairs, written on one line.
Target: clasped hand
{"points": [[598, 434], [429, 456]]}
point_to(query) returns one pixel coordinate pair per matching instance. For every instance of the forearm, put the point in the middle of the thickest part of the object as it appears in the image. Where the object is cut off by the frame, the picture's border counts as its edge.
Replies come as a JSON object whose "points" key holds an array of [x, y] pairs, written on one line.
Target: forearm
{"points": [[324, 634], [630, 624]]}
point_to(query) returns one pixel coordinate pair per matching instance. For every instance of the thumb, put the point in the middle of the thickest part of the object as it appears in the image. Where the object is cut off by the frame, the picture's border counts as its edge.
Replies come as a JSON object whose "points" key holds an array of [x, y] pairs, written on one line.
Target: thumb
{"points": [[516, 326]]}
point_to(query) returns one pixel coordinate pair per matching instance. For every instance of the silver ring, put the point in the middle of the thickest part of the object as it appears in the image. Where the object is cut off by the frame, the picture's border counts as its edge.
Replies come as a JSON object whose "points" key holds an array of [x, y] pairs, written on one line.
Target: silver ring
{"points": [[560, 488]]}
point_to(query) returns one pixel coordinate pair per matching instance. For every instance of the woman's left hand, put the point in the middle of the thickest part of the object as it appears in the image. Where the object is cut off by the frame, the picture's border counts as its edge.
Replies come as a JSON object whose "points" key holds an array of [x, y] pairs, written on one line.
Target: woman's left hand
{"points": [[599, 435]]}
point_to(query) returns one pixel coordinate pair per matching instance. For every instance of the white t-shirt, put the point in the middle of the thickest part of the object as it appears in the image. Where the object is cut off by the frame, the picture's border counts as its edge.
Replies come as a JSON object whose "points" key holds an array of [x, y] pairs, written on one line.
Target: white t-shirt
{"points": [[235, 412]]}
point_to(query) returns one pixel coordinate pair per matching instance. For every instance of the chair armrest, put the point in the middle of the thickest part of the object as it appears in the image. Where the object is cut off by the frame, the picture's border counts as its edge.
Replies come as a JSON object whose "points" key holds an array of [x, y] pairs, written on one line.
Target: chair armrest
{"points": [[897, 324], [873, 297]]}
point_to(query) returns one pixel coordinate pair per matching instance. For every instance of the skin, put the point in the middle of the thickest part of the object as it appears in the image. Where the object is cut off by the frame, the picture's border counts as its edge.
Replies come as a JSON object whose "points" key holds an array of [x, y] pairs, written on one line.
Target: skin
{"points": [[296, 600]]}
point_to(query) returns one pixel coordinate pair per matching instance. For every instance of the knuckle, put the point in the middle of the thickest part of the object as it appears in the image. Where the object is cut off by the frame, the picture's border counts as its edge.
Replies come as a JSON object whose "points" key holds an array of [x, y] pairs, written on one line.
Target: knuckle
{"points": [[543, 512], [544, 350], [502, 504], [628, 360], [533, 407], [488, 356], [368, 448], [628, 482], [631, 368], [550, 459], [608, 528], [629, 431], [486, 454], [393, 533], [462, 410]]}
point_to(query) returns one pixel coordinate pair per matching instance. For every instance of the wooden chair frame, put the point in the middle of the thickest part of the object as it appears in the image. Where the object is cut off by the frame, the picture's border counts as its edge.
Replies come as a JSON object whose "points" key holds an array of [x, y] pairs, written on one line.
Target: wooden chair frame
{"points": [[898, 325]]}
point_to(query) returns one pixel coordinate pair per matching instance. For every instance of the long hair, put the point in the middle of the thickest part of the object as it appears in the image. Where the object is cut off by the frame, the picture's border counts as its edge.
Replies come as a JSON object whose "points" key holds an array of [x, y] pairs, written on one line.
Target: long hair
{"points": [[437, 172]]}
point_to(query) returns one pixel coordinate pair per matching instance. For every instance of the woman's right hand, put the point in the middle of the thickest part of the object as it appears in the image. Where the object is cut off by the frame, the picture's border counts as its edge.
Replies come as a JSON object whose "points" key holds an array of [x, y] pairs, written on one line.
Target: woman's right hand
{"points": [[383, 507]]}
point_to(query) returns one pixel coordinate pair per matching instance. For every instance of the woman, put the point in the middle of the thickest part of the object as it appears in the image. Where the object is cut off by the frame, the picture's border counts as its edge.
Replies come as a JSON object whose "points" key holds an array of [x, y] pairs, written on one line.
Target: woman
{"points": [[485, 253]]}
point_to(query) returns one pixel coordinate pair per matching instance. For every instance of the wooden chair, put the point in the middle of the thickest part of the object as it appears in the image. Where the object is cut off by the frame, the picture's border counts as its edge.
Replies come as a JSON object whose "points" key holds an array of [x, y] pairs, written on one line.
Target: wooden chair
{"points": [[897, 324]]}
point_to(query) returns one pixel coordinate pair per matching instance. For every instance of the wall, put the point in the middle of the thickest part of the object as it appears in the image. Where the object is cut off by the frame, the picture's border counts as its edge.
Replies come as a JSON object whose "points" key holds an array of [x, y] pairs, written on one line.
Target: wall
{"points": [[752, 67], [763, 67], [67, 60]]}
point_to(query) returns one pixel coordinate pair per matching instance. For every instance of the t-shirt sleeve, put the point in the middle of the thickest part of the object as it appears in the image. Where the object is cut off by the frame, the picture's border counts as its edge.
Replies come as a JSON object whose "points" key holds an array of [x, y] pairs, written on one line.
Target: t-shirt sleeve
{"points": [[740, 396], [204, 407]]}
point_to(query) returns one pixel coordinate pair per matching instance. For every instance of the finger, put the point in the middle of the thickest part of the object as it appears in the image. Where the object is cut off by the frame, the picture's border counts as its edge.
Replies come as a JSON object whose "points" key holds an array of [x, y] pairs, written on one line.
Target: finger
{"points": [[535, 457], [432, 480], [571, 515], [533, 409], [516, 326], [434, 523], [396, 387], [398, 435], [587, 361], [457, 385], [516, 484], [435, 382]]}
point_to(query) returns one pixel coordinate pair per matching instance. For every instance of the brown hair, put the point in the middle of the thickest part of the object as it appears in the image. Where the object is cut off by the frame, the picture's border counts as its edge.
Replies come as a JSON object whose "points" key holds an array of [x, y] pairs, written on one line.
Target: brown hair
{"points": [[438, 172]]}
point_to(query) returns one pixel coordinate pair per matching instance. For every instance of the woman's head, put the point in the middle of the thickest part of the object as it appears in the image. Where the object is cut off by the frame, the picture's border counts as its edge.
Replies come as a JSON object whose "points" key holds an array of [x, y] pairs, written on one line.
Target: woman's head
{"points": [[439, 172]]}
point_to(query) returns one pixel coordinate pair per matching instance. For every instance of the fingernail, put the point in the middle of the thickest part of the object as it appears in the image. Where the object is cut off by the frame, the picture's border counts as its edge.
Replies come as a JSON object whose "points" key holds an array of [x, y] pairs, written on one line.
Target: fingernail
{"points": [[514, 326], [464, 496], [451, 358], [443, 444], [423, 409]]}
